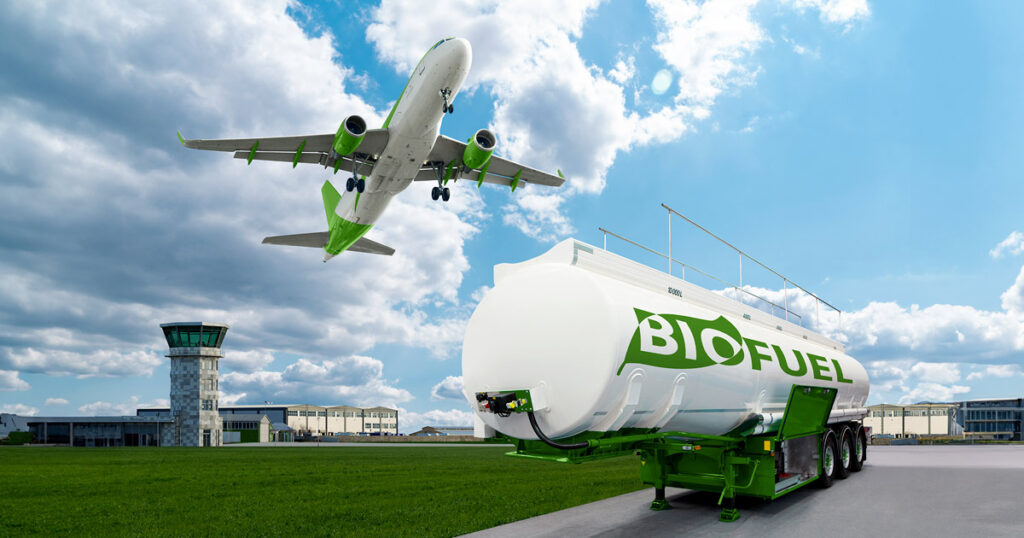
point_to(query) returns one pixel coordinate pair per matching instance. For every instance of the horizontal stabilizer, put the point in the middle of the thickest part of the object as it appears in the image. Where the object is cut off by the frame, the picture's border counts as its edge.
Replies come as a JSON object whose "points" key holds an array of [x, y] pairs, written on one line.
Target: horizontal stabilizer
{"points": [[320, 239], [371, 247], [314, 240]]}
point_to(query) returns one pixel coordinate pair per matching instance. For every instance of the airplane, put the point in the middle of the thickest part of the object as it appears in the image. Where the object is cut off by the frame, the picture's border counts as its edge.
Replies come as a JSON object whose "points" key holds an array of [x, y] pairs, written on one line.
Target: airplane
{"points": [[407, 148]]}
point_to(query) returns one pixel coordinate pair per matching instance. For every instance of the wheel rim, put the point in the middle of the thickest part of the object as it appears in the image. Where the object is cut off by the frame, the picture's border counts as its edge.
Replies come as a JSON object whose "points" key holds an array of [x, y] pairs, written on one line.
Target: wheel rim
{"points": [[860, 450], [828, 460], [846, 454]]}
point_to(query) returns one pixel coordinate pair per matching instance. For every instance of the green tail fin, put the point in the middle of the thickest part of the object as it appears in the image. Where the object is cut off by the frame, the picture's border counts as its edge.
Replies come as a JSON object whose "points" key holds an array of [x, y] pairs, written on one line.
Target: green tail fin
{"points": [[331, 199]]}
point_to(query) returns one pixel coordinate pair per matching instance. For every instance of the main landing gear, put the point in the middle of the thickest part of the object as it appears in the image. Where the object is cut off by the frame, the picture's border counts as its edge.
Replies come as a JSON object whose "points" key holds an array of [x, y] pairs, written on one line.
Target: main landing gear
{"points": [[354, 184], [440, 191], [447, 108]]}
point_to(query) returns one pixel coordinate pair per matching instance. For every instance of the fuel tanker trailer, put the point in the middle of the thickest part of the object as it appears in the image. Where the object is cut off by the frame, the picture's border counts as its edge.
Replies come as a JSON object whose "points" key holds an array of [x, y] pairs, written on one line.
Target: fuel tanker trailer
{"points": [[581, 354]]}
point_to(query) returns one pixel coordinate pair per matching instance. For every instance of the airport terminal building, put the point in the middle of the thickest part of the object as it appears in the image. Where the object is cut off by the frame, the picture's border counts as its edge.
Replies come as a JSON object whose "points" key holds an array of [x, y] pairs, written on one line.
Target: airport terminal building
{"points": [[1000, 419], [195, 416], [309, 420]]}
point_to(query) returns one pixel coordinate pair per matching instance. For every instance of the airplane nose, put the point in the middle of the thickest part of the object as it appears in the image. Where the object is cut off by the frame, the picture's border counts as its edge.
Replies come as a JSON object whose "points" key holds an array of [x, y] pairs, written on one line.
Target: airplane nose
{"points": [[460, 51]]}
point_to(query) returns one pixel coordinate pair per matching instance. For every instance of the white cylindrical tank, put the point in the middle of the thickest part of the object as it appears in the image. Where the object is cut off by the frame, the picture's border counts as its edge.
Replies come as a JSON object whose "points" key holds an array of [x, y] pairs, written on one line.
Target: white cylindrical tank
{"points": [[604, 343]]}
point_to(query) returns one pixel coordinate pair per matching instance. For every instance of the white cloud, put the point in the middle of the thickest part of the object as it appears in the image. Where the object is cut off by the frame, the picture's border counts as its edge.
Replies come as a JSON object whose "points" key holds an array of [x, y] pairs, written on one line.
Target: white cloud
{"points": [[1013, 297], [97, 363], [996, 370], [10, 381], [56, 401], [145, 248], [102, 408], [707, 44], [888, 331], [837, 11], [552, 108], [449, 388], [939, 372], [1012, 245], [934, 392], [246, 361], [19, 409], [354, 380], [410, 421], [624, 70]]}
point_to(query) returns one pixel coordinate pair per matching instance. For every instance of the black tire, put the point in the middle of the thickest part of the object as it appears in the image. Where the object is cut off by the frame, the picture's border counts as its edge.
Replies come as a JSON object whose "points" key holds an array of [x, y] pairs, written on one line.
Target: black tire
{"points": [[846, 452], [361, 185], [860, 454], [435, 193], [350, 185], [451, 109], [828, 460], [446, 194]]}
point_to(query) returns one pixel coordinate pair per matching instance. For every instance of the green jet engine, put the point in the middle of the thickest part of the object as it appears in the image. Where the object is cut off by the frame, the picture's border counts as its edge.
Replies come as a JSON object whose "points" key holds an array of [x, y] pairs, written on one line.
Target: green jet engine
{"points": [[350, 134], [479, 149]]}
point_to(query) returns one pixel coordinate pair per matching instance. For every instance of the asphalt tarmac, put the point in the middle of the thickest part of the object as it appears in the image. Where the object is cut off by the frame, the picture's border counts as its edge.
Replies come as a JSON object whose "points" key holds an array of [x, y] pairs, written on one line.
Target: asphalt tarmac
{"points": [[975, 490]]}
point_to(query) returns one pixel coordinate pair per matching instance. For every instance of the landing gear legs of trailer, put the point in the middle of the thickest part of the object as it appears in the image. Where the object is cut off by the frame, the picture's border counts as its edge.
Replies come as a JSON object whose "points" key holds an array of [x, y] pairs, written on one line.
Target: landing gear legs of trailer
{"points": [[659, 502]]}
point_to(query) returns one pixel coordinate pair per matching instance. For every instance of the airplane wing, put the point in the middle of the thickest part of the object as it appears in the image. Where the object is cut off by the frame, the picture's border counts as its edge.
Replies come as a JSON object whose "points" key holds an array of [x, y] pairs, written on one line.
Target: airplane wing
{"points": [[312, 149], [500, 172]]}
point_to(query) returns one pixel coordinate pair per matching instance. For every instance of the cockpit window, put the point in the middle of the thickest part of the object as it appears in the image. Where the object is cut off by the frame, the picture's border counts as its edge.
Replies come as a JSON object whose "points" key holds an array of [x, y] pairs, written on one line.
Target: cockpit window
{"points": [[441, 41]]}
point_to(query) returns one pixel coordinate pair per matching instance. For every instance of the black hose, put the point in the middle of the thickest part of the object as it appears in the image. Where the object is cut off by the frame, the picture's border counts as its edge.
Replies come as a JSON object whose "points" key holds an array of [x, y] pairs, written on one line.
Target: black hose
{"points": [[547, 440]]}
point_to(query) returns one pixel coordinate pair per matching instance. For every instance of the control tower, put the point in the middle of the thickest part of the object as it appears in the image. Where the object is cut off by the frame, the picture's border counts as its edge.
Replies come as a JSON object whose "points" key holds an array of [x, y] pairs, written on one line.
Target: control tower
{"points": [[194, 354]]}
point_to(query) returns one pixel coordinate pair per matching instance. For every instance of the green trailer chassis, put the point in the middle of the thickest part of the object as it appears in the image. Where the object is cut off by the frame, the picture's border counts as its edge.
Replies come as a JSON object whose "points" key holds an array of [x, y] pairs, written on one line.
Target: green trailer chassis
{"points": [[734, 464]]}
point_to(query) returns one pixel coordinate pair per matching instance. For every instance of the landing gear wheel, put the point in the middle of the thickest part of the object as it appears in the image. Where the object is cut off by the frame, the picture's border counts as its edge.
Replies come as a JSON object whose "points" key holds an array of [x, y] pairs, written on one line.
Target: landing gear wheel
{"points": [[860, 450], [451, 109], [435, 193], [446, 194], [846, 452], [829, 461], [361, 185], [350, 185]]}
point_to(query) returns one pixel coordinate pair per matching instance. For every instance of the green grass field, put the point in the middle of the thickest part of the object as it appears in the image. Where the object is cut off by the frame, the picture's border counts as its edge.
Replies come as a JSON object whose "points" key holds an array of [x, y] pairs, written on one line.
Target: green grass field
{"points": [[404, 491]]}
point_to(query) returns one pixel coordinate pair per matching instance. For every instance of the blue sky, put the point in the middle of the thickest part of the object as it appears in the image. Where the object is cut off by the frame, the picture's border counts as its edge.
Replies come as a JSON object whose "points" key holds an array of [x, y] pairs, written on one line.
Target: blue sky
{"points": [[868, 151]]}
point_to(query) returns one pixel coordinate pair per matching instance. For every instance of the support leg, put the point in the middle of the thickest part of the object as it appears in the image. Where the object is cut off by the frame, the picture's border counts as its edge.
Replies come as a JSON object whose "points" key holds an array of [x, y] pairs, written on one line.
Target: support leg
{"points": [[729, 511], [659, 502]]}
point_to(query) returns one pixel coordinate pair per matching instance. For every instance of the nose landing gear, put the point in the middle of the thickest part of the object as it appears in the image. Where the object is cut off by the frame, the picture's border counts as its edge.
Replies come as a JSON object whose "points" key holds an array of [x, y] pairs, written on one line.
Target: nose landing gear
{"points": [[446, 107]]}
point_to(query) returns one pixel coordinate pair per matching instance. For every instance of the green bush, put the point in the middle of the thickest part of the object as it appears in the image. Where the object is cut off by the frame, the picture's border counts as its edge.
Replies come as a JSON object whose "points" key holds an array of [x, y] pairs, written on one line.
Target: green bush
{"points": [[19, 438]]}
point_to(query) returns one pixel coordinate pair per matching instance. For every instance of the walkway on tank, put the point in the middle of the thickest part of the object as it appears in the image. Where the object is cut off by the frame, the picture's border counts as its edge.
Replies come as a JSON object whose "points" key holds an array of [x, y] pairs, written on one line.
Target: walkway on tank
{"points": [[902, 491]]}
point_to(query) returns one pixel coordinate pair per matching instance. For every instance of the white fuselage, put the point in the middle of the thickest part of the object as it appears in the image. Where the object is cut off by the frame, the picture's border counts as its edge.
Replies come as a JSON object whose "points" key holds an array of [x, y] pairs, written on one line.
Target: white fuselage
{"points": [[412, 130]]}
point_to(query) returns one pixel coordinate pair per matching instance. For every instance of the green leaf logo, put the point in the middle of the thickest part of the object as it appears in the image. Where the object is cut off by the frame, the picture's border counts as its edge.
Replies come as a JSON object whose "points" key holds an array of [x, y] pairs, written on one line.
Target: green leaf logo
{"points": [[683, 342]]}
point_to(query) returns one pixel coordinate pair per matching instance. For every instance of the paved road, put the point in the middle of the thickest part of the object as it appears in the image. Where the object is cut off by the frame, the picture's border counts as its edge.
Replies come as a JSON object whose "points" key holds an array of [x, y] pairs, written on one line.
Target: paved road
{"points": [[902, 491]]}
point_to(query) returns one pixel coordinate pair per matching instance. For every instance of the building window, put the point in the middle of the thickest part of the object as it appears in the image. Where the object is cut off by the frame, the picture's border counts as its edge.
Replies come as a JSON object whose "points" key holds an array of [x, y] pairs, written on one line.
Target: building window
{"points": [[322, 414], [293, 413], [207, 405]]}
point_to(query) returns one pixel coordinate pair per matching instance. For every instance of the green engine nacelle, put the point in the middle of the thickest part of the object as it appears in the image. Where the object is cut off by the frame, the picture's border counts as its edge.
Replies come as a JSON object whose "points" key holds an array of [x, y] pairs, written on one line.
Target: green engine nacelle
{"points": [[479, 149], [350, 134]]}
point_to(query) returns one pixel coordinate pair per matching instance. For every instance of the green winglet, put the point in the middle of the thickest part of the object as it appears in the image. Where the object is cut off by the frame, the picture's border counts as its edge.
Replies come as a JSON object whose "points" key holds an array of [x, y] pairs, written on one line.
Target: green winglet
{"points": [[252, 152], [560, 173], [181, 138], [515, 180], [483, 174], [448, 173], [298, 153]]}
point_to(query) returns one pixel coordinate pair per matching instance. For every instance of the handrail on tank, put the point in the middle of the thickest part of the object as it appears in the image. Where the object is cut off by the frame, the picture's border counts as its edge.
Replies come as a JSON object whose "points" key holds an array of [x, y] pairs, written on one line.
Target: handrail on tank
{"points": [[751, 258], [684, 266]]}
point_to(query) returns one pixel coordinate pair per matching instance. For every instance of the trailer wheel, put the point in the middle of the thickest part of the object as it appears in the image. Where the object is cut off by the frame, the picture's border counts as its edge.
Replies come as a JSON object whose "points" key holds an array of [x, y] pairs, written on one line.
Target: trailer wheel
{"points": [[846, 452], [860, 452], [829, 461]]}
